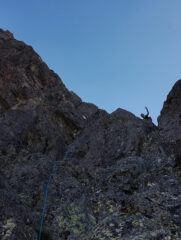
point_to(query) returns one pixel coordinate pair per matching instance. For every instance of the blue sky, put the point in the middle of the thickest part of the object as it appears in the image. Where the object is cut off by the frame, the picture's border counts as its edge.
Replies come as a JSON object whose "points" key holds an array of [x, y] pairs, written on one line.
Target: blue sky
{"points": [[113, 53]]}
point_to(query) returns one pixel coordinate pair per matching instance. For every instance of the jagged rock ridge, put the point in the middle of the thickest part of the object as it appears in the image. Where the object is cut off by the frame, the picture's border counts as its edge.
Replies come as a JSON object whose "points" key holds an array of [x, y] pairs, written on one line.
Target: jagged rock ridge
{"points": [[117, 176]]}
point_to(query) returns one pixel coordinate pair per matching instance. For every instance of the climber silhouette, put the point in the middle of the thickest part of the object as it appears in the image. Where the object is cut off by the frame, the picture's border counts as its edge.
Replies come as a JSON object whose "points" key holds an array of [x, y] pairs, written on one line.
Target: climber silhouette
{"points": [[146, 117]]}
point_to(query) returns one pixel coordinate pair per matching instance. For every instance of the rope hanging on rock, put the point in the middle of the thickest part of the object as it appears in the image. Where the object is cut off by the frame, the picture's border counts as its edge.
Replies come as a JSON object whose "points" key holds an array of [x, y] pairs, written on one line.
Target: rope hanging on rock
{"points": [[46, 194]]}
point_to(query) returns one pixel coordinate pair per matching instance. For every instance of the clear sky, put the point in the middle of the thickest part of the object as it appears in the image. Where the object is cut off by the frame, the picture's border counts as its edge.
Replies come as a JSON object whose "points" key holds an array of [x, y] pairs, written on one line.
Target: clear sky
{"points": [[113, 53]]}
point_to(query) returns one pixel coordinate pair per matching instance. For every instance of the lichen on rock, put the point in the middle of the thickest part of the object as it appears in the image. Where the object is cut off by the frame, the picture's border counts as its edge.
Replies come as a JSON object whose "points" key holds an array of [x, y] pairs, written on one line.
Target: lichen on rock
{"points": [[117, 176]]}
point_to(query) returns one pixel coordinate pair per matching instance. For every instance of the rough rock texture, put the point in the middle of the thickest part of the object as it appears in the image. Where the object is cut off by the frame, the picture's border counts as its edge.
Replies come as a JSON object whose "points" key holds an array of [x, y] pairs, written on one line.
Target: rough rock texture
{"points": [[170, 119], [117, 176]]}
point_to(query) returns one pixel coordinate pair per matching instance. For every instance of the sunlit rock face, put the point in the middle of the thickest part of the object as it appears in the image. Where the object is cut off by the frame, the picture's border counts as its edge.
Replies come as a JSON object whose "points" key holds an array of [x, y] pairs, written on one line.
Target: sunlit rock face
{"points": [[117, 176]]}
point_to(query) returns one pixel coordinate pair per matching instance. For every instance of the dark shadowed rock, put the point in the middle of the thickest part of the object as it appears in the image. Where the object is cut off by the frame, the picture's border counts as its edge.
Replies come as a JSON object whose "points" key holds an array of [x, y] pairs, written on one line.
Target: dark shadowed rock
{"points": [[169, 121], [117, 176]]}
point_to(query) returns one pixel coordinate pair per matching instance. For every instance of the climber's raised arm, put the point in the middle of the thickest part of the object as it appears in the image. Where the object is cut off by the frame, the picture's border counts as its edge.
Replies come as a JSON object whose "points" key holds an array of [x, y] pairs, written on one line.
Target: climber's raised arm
{"points": [[147, 111]]}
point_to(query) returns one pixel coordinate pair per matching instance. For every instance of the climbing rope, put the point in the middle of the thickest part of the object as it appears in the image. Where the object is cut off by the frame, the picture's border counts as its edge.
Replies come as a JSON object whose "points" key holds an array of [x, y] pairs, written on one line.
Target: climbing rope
{"points": [[44, 207]]}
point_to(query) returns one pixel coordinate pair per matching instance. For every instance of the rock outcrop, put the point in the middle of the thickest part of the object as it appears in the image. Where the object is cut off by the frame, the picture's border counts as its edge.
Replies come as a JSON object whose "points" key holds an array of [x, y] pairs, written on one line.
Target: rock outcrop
{"points": [[169, 121], [117, 176]]}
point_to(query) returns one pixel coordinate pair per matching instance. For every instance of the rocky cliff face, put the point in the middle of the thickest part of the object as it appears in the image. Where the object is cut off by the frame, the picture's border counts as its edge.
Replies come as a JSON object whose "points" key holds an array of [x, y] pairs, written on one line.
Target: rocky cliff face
{"points": [[170, 119], [117, 176]]}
